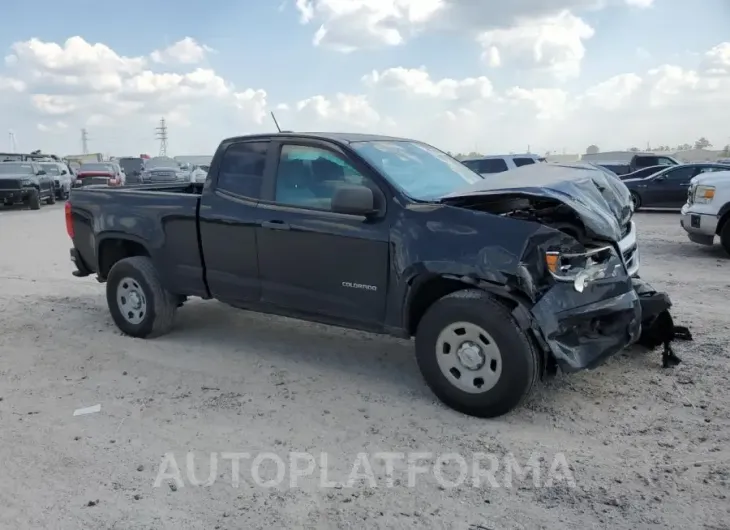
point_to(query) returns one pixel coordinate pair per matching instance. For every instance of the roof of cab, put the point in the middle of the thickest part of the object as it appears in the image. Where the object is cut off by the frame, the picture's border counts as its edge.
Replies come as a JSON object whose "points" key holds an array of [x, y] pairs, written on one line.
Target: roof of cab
{"points": [[345, 138]]}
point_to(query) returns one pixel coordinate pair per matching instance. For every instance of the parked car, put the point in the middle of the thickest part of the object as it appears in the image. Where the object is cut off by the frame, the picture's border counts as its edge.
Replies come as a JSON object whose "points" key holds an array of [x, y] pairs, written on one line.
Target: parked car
{"points": [[26, 183], [634, 163], [499, 280], [707, 211], [132, 167], [642, 173], [63, 178], [161, 170], [668, 188], [92, 173], [499, 163]]}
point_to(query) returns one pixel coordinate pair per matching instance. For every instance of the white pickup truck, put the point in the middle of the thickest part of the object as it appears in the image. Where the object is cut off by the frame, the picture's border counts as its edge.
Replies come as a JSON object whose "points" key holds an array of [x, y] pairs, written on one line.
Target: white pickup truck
{"points": [[707, 211]]}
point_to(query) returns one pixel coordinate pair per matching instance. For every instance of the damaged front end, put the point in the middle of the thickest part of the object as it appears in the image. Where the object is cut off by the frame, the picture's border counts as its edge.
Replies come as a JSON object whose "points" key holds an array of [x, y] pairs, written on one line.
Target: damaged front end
{"points": [[585, 306]]}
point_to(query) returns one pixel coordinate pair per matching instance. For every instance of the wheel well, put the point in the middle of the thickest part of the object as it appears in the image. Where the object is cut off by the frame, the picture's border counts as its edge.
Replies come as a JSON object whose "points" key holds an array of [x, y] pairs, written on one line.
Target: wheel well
{"points": [[431, 290], [113, 250], [724, 219]]}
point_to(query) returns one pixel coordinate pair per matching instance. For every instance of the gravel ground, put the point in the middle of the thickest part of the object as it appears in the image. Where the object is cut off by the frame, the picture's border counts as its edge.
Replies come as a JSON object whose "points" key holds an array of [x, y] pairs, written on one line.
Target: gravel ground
{"points": [[647, 448]]}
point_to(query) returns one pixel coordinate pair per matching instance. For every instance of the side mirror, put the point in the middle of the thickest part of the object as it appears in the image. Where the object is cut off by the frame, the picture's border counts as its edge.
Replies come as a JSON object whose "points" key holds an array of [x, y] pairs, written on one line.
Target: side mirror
{"points": [[660, 178], [354, 200], [64, 172]]}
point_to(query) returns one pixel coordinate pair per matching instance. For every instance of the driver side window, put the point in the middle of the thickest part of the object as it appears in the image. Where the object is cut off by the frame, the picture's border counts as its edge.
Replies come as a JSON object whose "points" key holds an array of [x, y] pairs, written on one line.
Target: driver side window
{"points": [[681, 174], [308, 176]]}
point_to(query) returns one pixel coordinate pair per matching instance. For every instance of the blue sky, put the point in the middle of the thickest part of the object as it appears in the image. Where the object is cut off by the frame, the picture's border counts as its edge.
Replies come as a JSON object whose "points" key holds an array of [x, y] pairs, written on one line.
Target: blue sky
{"points": [[263, 45]]}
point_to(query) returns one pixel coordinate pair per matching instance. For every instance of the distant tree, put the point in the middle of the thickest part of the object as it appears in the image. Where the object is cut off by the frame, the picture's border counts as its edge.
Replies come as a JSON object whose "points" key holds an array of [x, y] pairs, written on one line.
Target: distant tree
{"points": [[684, 147], [702, 143], [633, 149], [592, 150], [726, 150]]}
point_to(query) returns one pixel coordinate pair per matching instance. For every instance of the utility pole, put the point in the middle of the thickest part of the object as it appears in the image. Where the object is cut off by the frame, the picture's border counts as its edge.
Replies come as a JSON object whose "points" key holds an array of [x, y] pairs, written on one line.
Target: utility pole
{"points": [[84, 142], [161, 135], [13, 145]]}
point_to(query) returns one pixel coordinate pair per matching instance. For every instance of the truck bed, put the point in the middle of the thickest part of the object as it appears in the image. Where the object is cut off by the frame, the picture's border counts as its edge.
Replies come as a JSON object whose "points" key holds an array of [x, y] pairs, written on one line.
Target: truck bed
{"points": [[159, 218]]}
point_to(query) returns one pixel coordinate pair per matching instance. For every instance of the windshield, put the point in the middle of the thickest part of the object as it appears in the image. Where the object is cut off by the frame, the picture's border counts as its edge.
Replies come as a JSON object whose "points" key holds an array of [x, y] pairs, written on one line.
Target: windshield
{"points": [[96, 167], [51, 169], [422, 172], [16, 168]]}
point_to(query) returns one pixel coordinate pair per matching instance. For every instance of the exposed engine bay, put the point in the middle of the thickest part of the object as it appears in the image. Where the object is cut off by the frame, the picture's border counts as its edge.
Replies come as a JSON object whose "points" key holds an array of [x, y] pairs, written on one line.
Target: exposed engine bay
{"points": [[549, 212]]}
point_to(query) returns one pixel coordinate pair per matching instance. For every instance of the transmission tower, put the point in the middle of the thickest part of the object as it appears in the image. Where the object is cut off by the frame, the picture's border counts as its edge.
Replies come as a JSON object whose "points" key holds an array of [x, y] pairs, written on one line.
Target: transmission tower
{"points": [[84, 142], [13, 145], [161, 134]]}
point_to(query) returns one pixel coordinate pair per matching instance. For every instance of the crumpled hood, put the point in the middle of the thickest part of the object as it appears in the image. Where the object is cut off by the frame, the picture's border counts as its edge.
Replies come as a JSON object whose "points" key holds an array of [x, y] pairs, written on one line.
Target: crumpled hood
{"points": [[601, 201]]}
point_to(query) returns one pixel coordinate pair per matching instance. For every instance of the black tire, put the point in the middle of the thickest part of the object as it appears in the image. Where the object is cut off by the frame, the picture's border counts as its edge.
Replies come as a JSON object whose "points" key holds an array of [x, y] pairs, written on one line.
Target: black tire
{"points": [[52, 196], [636, 199], [520, 360], [725, 236], [34, 200], [160, 304]]}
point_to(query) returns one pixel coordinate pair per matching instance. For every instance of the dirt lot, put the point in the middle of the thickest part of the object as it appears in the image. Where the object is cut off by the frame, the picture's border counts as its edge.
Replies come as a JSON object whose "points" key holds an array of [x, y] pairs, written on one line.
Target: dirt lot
{"points": [[647, 447]]}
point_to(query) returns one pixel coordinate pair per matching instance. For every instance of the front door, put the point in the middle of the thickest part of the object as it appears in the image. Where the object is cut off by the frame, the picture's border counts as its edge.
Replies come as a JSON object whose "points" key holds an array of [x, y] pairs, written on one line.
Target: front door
{"points": [[669, 189], [313, 260]]}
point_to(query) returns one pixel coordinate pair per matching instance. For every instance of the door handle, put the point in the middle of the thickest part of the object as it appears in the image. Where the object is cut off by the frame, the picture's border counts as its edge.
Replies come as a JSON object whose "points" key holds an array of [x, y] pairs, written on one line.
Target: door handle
{"points": [[275, 225]]}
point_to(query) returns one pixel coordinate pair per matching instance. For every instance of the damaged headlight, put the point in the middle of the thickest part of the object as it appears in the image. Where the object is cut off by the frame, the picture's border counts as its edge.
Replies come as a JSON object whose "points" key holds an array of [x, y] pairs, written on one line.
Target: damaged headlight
{"points": [[582, 267], [704, 194]]}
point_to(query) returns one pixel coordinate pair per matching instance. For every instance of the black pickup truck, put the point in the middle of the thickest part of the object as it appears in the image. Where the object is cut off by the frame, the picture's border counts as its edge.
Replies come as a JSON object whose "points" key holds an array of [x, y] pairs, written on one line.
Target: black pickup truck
{"points": [[499, 280]]}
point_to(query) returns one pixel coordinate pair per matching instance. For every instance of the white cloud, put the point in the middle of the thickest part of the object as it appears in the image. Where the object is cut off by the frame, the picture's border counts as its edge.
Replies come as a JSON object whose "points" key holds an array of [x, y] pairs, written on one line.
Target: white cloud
{"points": [[86, 84], [553, 44], [120, 99], [184, 51]]}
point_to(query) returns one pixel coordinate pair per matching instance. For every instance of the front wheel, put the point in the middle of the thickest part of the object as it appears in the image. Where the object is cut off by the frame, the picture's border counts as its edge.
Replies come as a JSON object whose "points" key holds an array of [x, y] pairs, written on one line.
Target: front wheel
{"points": [[139, 304], [474, 356], [635, 200], [34, 200], [725, 236]]}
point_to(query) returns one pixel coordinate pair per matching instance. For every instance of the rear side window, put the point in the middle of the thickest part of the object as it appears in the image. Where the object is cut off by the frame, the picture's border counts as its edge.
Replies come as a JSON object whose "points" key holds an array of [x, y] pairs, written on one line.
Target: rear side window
{"points": [[242, 169], [646, 161], [519, 162], [492, 165]]}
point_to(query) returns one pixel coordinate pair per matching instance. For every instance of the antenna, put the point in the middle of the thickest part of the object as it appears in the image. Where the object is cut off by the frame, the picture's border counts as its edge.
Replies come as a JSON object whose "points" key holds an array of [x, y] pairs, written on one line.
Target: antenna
{"points": [[84, 142], [162, 137], [275, 122]]}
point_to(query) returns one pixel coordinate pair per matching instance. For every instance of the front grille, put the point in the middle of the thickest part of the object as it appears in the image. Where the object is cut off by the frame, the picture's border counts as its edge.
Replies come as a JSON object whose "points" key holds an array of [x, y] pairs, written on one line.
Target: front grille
{"points": [[11, 184], [690, 194], [630, 256], [58, 183]]}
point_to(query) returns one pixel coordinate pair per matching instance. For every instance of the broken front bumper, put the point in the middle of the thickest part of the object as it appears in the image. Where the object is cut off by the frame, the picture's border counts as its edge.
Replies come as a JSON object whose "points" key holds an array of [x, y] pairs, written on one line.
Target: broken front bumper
{"points": [[582, 330]]}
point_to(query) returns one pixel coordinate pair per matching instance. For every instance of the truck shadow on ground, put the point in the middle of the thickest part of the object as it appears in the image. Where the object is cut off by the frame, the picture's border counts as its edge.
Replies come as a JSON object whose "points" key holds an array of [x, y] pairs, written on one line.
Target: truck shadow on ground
{"points": [[216, 334]]}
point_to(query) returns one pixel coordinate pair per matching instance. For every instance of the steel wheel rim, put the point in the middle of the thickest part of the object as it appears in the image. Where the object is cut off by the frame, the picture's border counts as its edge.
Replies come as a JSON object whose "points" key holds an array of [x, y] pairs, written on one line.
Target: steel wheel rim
{"points": [[131, 300], [469, 357]]}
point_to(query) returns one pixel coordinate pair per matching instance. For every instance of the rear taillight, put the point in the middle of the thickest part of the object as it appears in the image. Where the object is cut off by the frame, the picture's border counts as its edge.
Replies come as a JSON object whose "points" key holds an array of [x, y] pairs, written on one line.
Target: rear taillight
{"points": [[69, 220]]}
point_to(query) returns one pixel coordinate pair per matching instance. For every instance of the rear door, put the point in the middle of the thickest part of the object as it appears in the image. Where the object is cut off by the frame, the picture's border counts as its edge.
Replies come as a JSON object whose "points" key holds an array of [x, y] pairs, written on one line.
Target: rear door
{"points": [[313, 261], [227, 220]]}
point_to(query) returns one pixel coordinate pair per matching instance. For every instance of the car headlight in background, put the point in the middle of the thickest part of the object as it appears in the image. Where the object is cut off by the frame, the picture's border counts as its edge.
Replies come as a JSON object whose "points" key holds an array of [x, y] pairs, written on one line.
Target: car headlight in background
{"points": [[583, 267], [26, 182], [704, 194]]}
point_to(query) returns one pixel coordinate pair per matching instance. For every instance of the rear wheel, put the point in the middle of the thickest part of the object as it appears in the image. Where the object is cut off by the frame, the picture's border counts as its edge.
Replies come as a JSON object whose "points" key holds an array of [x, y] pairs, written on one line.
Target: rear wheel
{"points": [[474, 356], [139, 304]]}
